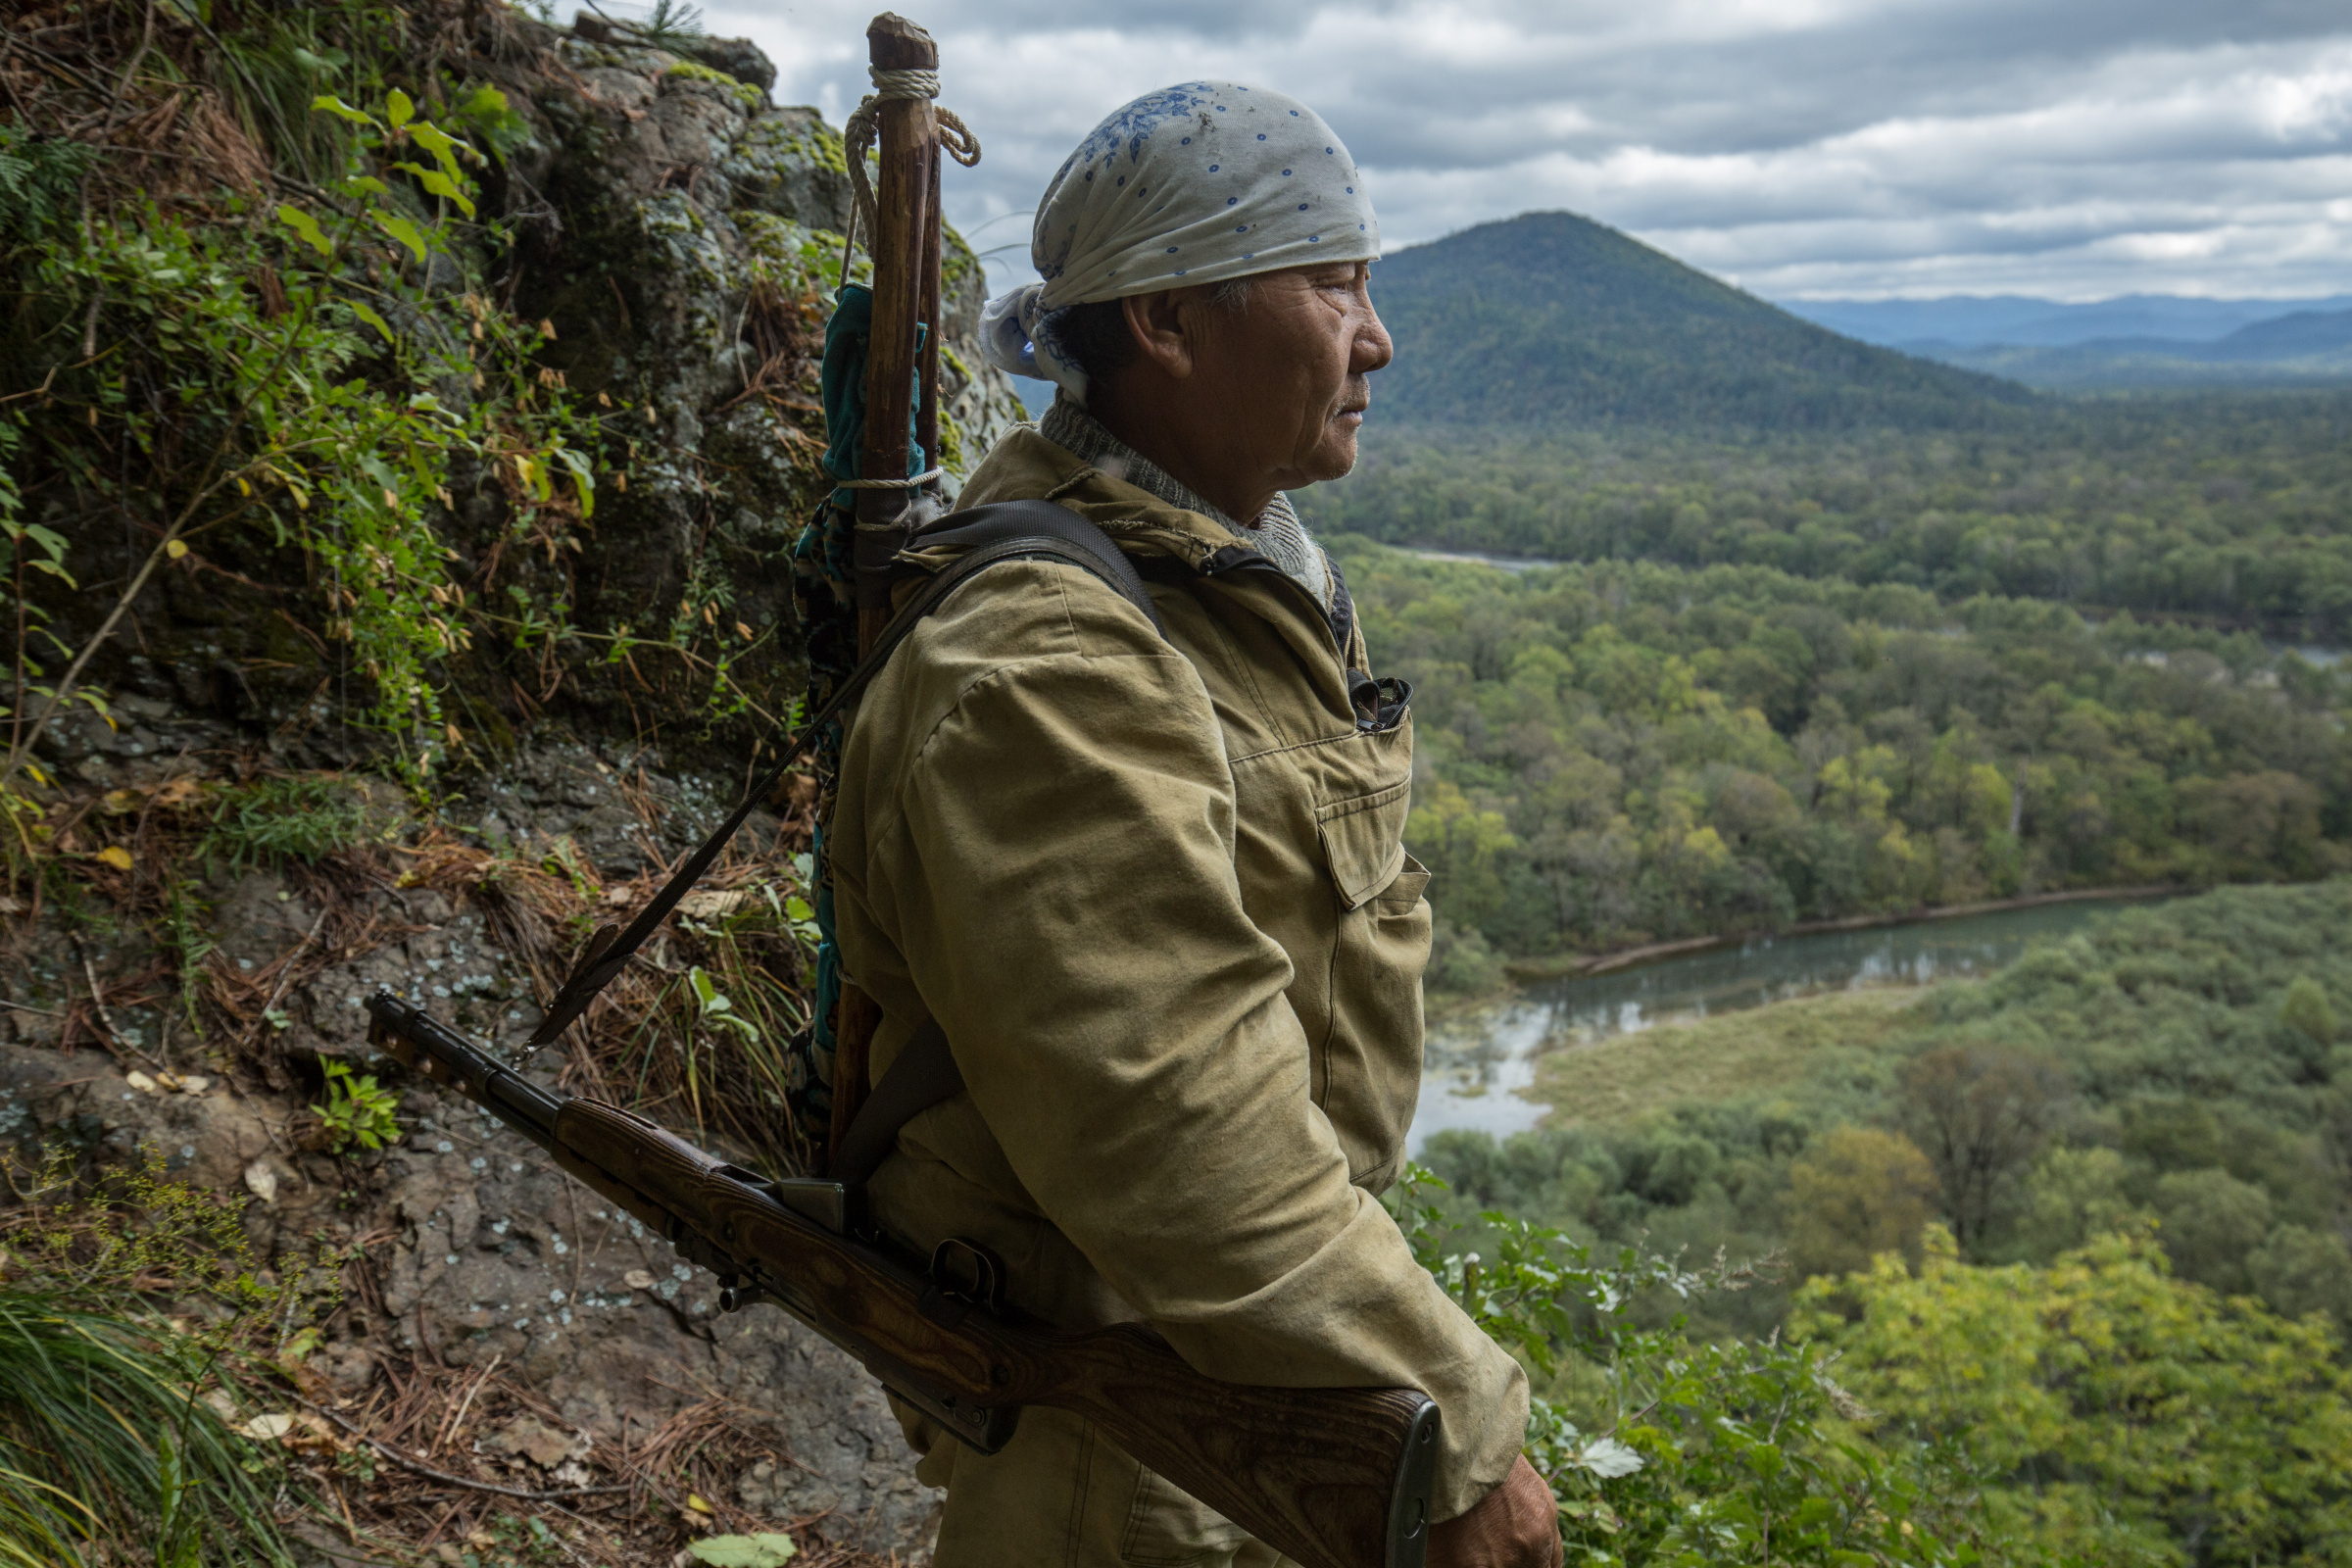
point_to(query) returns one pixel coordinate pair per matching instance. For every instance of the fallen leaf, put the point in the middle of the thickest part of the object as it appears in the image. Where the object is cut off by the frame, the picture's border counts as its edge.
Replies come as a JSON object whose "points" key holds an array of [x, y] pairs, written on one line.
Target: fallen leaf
{"points": [[195, 1084], [770, 1548], [119, 803], [170, 1080], [141, 1082], [529, 1438], [116, 855], [696, 1501], [712, 904]]}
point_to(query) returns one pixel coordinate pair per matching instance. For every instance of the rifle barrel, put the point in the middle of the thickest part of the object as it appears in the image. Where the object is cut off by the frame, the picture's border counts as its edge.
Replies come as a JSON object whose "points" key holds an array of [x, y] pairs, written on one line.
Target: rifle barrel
{"points": [[415, 1039]]}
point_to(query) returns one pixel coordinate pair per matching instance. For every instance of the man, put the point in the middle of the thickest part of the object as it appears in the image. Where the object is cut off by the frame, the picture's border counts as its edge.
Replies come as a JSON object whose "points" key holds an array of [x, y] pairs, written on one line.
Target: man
{"points": [[1153, 889]]}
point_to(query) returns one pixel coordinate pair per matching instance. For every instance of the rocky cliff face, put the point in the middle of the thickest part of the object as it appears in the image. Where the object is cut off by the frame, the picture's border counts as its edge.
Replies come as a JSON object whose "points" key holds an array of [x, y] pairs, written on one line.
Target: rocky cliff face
{"points": [[677, 239], [679, 236], [676, 230]]}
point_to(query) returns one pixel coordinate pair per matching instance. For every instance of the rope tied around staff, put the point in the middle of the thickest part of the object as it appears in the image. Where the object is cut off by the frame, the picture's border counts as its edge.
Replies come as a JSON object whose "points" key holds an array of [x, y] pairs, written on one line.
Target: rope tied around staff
{"points": [[956, 138]]}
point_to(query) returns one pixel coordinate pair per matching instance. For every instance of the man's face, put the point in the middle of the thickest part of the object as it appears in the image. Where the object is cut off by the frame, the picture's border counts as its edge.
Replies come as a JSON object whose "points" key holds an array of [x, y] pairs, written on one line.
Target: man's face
{"points": [[1283, 379]]}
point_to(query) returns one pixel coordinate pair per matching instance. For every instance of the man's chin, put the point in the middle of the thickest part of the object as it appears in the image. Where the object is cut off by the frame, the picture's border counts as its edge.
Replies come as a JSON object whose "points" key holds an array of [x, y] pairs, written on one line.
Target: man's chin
{"points": [[1335, 459]]}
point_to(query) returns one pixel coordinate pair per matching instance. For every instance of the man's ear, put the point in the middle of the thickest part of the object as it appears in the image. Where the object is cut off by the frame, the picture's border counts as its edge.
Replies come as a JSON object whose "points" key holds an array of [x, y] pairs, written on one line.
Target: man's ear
{"points": [[1163, 330]]}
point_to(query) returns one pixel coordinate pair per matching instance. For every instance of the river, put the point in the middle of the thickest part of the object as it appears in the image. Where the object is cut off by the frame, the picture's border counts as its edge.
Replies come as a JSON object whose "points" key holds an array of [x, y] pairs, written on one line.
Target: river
{"points": [[1477, 1061]]}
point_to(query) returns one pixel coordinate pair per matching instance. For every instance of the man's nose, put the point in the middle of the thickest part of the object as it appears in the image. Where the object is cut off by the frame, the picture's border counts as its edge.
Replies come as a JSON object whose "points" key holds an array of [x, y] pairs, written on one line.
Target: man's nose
{"points": [[1373, 350]]}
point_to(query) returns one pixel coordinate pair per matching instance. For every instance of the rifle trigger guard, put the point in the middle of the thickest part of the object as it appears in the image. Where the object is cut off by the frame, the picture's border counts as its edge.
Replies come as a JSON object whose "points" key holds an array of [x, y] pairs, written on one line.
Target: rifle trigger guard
{"points": [[964, 1275]]}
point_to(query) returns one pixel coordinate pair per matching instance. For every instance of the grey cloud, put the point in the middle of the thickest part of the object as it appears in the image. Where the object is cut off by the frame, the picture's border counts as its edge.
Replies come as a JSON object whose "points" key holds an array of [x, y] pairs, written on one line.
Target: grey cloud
{"points": [[1881, 145]]}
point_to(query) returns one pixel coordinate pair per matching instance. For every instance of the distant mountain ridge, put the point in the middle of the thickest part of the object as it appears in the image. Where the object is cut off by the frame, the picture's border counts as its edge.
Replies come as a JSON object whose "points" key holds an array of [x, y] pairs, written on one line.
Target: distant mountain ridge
{"points": [[2137, 341], [1974, 320], [1551, 320]]}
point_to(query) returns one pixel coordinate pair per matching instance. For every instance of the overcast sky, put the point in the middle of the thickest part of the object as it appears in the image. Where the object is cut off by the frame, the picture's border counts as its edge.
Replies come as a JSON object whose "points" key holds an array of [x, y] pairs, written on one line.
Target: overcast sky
{"points": [[1805, 149]]}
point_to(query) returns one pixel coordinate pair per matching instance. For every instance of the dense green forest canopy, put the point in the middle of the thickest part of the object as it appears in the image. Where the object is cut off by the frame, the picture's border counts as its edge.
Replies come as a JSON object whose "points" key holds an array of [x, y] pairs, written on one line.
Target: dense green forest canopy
{"points": [[1627, 752], [2236, 508], [1549, 320]]}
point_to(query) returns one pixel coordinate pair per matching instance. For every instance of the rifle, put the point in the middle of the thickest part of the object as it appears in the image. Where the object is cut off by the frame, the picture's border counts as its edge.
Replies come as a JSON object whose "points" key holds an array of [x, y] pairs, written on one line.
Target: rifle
{"points": [[1335, 1478]]}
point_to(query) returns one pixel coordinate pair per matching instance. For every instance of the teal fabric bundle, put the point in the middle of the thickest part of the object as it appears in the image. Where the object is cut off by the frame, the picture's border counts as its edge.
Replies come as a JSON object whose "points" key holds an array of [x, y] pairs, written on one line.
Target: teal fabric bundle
{"points": [[826, 594]]}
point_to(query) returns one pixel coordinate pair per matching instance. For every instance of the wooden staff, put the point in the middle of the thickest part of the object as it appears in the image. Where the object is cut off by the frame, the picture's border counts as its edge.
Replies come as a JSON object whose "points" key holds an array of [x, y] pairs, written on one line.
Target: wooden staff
{"points": [[905, 249]]}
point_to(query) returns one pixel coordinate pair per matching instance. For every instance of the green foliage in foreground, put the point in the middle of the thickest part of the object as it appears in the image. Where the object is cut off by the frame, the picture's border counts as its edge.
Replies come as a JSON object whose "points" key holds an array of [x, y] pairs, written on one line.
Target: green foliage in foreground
{"points": [[2237, 506], [2117, 1414], [271, 820], [102, 1438], [2098, 1410], [1627, 752], [114, 1418], [1662, 1450]]}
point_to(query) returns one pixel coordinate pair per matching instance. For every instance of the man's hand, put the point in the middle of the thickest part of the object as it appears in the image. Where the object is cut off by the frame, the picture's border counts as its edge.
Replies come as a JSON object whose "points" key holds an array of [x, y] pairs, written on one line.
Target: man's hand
{"points": [[1517, 1525]]}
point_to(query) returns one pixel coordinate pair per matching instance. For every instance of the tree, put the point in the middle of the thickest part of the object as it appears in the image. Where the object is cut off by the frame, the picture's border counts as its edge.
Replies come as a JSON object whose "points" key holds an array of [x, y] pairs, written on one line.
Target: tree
{"points": [[2301, 1271], [2073, 1195], [2211, 1222], [1859, 1193], [2119, 1415], [2309, 1020], [1980, 1113]]}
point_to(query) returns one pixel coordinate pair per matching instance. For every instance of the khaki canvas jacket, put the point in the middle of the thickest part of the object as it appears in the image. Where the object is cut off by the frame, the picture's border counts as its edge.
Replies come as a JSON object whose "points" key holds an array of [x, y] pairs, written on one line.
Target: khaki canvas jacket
{"points": [[1156, 893]]}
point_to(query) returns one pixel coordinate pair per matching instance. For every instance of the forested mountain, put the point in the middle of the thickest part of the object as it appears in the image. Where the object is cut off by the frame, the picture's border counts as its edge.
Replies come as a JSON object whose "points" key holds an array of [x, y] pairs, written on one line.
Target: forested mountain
{"points": [[1550, 320]]}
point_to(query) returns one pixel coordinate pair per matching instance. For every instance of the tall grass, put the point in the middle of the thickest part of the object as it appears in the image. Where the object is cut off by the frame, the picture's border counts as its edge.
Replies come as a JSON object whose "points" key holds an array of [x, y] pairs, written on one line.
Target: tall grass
{"points": [[103, 1446], [274, 819], [113, 1450]]}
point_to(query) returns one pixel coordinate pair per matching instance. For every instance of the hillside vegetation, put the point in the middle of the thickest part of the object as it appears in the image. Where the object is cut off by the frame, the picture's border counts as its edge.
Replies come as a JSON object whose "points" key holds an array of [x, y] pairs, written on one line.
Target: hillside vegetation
{"points": [[1552, 321], [406, 412], [2234, 509], [1623, 753], [2063, 1172]]}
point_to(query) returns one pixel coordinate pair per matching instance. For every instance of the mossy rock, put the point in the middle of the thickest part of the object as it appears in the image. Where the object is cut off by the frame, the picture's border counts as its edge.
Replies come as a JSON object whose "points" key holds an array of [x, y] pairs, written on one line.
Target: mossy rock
{"points": [[789, 163]]}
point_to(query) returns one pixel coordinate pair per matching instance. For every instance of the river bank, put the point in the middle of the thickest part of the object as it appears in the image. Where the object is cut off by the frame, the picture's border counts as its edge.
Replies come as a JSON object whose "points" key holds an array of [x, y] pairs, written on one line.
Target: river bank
{"points": [[1484, 1063], [1564, 966]]}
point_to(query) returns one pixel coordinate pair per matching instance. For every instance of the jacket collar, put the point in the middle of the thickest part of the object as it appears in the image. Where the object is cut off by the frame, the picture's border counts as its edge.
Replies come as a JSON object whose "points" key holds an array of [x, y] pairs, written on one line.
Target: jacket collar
{"points": [[1026, 464]]}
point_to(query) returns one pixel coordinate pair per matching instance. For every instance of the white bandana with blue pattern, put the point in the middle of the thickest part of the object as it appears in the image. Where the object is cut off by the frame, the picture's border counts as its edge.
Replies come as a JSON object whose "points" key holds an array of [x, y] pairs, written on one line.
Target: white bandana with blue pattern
{"points": [[1195, 183]]}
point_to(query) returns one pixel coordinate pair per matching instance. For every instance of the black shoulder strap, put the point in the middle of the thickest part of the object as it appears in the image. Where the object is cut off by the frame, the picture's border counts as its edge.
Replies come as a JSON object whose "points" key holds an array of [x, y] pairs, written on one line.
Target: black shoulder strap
{"points": [[921, 1075], [1028, 530], [1008, 530]]}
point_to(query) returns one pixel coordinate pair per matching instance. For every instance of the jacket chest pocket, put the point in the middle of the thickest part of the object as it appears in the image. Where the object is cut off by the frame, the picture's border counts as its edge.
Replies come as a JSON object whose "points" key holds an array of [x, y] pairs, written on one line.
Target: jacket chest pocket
{"points": [[1363, 841], [1371, 1057]]}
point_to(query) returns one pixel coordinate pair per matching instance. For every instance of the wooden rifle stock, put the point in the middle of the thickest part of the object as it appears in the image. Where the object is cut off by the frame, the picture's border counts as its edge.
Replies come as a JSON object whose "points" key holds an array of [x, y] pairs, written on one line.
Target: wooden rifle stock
{"points": [[1334, 1478]]}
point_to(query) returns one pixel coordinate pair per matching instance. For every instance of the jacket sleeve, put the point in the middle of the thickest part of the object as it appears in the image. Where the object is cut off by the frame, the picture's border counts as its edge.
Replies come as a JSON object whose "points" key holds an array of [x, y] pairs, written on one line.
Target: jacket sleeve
{"points": [[1066, 877]]}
